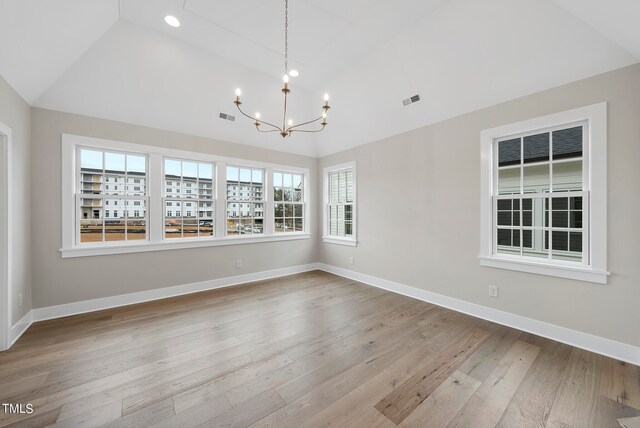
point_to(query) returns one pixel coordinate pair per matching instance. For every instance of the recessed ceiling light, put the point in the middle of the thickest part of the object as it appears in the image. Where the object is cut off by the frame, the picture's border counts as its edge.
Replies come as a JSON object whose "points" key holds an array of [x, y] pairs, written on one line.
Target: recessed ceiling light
{"points": [[294, 73], [172, 20]]}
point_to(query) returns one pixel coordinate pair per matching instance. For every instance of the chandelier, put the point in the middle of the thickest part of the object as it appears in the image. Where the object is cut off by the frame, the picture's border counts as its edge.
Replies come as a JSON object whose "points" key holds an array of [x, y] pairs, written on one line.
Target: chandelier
{"points": [[288, 126]]}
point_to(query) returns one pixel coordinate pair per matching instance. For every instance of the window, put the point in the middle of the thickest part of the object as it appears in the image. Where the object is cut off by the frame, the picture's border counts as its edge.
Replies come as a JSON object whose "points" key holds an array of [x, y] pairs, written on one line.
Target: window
{"points": [[545, 209], [340, 204], [96, 167], [249, 219], [288, 202], [183, 174], [161, 199]]}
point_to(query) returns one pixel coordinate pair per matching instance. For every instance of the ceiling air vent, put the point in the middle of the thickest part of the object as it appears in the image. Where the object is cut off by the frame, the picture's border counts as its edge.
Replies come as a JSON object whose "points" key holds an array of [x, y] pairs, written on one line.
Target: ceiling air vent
{"points": [[411, 100], [228, 117]]}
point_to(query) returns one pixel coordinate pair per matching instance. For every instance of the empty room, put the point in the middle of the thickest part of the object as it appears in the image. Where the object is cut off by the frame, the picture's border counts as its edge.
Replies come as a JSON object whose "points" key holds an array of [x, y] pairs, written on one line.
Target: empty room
{"points": [[320, 213]]}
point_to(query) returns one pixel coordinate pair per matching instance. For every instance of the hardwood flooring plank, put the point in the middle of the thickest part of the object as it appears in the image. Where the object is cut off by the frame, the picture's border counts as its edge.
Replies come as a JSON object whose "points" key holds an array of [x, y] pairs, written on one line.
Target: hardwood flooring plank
{"points": [[620, 382], [334, 345], [629, 422], [488, 356], [38, 419], [348, 410], [24, 383], [97, 417], [486, 405], [609, 412], [128, 389], [532, 402], [378, 341], [372, 418], [204, 380], [402, 401], [146, 416], [217, 412], [445, 402], [577, 401], [297, 412]]}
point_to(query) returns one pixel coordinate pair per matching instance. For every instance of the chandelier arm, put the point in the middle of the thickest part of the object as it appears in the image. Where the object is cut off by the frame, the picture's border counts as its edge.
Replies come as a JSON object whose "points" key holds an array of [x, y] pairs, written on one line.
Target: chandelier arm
{"points": [[260, 121], [304, 123], [307, 130], [270, 130]]}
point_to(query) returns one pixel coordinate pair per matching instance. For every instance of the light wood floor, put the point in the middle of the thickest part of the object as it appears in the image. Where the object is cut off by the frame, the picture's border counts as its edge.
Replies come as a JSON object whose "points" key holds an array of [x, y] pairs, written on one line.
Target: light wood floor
{"points": [[307, 350]]}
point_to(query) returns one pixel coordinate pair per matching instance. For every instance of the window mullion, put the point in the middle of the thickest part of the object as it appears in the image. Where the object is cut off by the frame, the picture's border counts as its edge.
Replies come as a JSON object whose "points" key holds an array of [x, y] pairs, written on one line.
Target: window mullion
{"points": [[220, 200], [155, 211], [268, 201]]}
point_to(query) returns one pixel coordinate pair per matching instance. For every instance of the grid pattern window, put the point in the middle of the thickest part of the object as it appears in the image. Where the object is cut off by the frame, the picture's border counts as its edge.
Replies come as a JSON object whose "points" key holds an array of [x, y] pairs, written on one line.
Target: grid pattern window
{"points": [[245, 201], [341, 203], [188, 199], [540, 193], [111, 196], [288, 202]]}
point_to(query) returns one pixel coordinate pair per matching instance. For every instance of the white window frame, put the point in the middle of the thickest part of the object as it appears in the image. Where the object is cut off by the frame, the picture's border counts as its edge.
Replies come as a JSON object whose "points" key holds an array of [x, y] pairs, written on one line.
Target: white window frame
{"points": [[302, 202], [169, 200], [105, 197], [155, 213], [594, 266], [235, 200], [326, 237]]}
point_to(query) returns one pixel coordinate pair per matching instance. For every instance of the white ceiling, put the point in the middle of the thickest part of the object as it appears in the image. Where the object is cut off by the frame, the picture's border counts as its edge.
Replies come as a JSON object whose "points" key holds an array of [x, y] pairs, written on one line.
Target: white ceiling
{"points": [[119, 60], [40, 39]]}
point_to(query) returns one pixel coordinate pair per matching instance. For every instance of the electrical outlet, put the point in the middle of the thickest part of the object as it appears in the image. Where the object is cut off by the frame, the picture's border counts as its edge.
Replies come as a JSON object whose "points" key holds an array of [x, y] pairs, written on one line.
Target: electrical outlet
{"points": [[20, 300], [238, 264], [493, 291], [351, 260]]}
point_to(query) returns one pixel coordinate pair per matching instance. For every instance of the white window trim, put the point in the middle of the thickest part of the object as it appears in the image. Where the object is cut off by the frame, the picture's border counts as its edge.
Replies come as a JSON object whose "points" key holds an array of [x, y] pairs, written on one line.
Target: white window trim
{"points": [[155, 177], [596, 270], [6, 237], [331, 239]]}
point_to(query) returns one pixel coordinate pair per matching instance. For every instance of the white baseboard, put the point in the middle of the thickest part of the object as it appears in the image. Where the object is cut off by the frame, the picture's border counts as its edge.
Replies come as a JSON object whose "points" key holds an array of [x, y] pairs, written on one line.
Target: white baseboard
{"points": [[610, 348], [75, 308], [20, 327]]}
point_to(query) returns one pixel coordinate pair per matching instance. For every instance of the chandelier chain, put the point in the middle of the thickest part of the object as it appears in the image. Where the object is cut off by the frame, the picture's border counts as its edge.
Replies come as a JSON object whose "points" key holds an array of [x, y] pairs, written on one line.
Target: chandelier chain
{"points": [[286, 36]]}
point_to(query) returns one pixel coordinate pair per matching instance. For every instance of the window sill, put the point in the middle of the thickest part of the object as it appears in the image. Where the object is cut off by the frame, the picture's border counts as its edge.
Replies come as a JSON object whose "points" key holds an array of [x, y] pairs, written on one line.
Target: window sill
{"points": [[561, 271], [174, 245], [340, 241]]}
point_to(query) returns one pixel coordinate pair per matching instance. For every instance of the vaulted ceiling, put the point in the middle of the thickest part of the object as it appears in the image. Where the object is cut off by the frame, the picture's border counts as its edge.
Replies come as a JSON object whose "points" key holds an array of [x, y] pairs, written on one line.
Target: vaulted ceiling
{"points": [[119, 60]]}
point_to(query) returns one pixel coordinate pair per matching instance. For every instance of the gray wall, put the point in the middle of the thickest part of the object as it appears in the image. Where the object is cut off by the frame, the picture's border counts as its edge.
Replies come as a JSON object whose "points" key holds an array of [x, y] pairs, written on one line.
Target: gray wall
{"points": [[16, 114], [57, 281], [433, 242]]}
